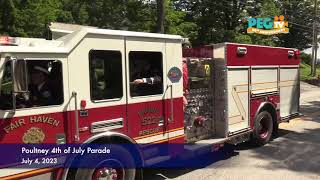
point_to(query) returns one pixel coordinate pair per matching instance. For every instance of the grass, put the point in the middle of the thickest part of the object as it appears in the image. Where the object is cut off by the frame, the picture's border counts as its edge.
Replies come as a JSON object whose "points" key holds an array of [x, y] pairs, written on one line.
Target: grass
{"points": [[305, 70]]}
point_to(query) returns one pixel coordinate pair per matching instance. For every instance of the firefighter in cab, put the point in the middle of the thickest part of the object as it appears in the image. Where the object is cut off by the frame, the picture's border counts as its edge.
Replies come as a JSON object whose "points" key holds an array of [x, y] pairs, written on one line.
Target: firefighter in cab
{"points": [[40, 91]]}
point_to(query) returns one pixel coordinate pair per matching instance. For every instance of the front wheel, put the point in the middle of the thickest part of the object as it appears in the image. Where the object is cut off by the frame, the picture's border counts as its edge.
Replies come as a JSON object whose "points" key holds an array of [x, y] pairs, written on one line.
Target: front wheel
{"points": [[112, 168], [263, 128]]}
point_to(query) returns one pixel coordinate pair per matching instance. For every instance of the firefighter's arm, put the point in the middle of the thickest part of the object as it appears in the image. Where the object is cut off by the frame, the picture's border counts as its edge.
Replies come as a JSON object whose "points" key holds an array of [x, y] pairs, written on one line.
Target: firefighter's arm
{"points": [[150, 80]]}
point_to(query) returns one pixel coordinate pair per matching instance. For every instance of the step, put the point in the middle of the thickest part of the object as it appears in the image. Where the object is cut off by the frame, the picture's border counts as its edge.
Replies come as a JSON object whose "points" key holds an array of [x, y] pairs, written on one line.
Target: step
{"points": [[204, 143], [156, 160]]}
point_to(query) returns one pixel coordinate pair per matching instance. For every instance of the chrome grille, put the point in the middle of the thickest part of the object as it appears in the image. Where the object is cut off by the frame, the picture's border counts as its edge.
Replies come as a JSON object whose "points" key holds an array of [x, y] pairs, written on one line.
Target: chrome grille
{"points": [[106, 125]]}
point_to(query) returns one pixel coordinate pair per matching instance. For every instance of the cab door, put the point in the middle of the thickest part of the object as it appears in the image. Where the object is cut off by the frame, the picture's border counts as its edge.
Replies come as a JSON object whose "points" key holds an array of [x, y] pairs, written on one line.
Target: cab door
{"points": [[147, 85], [96, 73], [32, 117]]}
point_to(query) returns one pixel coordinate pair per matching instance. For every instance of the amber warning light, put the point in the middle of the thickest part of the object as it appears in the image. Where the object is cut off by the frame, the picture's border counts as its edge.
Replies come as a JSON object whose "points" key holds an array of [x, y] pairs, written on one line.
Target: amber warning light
{"points": [[83, 104], [8, 41]]}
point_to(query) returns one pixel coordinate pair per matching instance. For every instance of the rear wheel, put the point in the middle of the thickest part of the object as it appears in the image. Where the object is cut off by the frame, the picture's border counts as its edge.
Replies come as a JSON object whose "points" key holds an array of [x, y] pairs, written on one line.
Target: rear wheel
{"points": [[263, 128]]}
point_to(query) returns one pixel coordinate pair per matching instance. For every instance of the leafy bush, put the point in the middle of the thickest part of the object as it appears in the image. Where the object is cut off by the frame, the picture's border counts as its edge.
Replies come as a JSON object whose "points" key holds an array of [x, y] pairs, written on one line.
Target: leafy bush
{"points": [[306, 58]]}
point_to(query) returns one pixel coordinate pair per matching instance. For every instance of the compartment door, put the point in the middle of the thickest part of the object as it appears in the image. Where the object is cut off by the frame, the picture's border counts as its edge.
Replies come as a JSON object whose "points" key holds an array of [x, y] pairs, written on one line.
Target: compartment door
{"points": [[289, 91], [238, 97]]}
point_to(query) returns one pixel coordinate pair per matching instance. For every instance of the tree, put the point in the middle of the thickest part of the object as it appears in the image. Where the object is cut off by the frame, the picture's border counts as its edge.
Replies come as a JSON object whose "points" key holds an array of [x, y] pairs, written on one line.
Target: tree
{"points": [[202, 21], [33, 16], [299, 14], [8, 13], [177, 21], [270, 9], [217, 21], [306, 58], [110, 14]]}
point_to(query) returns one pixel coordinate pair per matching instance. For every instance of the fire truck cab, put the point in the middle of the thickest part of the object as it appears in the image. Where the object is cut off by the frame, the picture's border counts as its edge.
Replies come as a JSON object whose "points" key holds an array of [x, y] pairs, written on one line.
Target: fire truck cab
{"points": [[108, 86], [89, 85]]}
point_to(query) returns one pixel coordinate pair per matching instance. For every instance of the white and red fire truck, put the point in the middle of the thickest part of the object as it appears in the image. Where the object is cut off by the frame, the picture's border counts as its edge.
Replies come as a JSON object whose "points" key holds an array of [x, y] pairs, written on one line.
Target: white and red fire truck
{"points": [[235, 92]]}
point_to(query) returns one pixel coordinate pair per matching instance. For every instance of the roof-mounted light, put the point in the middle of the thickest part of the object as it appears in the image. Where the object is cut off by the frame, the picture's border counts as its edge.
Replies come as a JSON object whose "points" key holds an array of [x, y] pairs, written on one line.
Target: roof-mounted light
{"points": [[9, 41], [241, 51], [290, 53], [294, 53]]}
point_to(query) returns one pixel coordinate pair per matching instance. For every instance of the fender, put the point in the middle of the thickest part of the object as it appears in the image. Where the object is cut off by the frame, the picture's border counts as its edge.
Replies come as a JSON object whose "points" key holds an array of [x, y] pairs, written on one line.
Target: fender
{"points": [[103, 135], [266, 105], [109, 134]]}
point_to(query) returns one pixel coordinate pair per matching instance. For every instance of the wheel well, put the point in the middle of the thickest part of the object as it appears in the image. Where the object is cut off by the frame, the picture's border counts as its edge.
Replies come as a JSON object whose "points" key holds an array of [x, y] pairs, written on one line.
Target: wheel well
{"points": [[136, 154], [270, 108], [111, 139], [119, 140]]}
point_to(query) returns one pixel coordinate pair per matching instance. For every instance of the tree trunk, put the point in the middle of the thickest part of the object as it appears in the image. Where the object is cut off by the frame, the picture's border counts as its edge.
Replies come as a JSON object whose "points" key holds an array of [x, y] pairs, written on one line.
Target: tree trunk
{"points": [[315, 42], [160, 16]]}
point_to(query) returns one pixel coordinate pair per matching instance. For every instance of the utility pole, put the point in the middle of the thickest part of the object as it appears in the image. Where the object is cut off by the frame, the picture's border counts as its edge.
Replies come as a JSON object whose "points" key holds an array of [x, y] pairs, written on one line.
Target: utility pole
{"points": [[160, 16], [314, 41]]}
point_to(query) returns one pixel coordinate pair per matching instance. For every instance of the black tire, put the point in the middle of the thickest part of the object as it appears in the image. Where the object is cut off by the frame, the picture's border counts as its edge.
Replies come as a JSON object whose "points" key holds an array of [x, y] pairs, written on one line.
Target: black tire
{"points": [[263, 128], [121, 173]]}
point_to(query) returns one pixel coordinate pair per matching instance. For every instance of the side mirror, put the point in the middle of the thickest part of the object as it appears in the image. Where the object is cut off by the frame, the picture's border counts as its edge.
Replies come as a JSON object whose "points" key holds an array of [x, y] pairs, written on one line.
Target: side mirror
{"points": [[20, 75]]}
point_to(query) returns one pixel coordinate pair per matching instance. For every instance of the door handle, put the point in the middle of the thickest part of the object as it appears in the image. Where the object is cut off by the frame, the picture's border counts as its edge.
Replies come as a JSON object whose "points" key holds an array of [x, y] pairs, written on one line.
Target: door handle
{"points": [[170, 120]]}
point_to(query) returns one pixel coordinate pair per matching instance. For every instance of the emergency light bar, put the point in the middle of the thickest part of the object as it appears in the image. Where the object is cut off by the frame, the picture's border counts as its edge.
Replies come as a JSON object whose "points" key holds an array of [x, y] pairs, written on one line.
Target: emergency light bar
{"points": [[8, 41]]}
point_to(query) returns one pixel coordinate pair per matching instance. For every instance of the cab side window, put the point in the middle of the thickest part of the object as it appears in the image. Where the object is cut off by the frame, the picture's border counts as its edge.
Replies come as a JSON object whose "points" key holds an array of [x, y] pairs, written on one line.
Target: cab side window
{"points": [[105, 75], [146, 77], [45, 85]]}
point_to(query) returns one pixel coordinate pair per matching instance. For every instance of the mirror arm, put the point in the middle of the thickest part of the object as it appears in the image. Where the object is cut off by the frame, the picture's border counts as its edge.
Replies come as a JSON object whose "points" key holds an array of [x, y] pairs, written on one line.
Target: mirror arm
{"points": [[15, 90], [14, 106]]}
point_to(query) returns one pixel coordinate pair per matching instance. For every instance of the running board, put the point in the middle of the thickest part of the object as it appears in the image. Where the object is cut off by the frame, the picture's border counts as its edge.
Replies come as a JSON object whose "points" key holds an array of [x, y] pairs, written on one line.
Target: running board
{"points": [[156, 160], [204, 143], [240, 137], [201, 147], [235, 133]]}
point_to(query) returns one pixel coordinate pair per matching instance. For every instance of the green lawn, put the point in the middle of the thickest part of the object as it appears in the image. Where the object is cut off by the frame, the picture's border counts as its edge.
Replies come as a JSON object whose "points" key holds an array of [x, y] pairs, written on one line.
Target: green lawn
{"points": [[305, 72]]}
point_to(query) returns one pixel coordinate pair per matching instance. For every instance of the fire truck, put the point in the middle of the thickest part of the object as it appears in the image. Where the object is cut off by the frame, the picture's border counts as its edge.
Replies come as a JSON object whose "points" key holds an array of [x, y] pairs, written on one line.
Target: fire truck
{"points": [[92, 78]]}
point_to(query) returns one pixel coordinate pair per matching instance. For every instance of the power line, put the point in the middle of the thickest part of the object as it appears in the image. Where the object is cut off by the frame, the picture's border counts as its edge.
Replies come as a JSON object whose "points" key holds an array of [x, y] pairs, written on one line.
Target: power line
{"points": [[299, 28], [299, 24]]}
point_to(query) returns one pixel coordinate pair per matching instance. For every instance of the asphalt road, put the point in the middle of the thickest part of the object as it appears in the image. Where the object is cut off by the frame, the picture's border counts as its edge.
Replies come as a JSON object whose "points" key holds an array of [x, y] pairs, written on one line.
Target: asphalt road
{"points": [[294, 154]]}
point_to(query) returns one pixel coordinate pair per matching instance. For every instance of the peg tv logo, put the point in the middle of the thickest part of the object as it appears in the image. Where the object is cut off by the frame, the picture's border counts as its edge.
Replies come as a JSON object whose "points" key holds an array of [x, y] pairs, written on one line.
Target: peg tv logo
{"points": [[268, 26]]}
